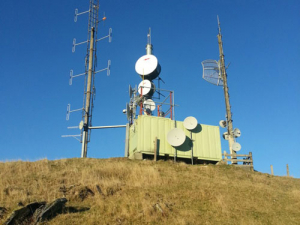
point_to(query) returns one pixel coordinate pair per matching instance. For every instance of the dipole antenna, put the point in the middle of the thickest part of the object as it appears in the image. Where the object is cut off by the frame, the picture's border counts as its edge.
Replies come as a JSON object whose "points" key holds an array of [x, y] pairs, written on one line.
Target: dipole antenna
{"points": [[89, 74], [225, 88]]}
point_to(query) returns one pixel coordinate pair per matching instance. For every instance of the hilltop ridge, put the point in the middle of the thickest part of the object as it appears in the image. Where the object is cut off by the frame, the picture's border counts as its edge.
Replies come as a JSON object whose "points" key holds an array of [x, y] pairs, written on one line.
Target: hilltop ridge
{"points": [[123, 191]]}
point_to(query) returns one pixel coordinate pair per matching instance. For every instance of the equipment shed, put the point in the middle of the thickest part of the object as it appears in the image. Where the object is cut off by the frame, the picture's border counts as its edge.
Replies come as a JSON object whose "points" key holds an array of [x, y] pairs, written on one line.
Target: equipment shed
{"points": [[201, 144]]}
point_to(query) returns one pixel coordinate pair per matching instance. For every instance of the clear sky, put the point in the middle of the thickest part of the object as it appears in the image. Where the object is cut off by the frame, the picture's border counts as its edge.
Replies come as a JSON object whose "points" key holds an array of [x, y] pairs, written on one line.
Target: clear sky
{"points": [[260, 40]]}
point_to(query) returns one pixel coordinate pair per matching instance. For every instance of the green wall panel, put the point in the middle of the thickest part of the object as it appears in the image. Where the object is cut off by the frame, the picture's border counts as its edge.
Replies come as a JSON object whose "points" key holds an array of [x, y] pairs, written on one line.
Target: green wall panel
{"points": [[206, 144]]}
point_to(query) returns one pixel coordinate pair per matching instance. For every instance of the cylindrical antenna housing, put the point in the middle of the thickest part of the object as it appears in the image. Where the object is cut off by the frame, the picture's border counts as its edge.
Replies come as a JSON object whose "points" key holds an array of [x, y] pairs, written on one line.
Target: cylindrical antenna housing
{"points": [[149, 49], [149, 46]]}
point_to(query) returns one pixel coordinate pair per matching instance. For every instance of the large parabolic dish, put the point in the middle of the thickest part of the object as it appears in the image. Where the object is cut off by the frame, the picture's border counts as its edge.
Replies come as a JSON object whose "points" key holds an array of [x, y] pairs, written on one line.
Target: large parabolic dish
{"points": [[146, 88], [148, 67], [176, 137]]}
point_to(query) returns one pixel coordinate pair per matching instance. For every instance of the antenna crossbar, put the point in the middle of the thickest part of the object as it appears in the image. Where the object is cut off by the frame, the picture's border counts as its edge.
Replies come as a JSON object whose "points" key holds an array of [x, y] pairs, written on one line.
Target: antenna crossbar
{"points": [[73, 136], [107, 68], [70, 111], [109, 36], [75, 44]]}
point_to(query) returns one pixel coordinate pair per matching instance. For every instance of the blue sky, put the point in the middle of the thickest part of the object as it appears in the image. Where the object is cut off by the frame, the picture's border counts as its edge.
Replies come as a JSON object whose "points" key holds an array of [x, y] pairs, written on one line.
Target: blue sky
{"points": [[260, 40]]}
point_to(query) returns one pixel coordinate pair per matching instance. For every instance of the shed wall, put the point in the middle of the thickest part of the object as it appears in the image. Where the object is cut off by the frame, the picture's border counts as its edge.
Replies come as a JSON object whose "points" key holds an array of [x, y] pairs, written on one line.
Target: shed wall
{"points": [[206, 144]]}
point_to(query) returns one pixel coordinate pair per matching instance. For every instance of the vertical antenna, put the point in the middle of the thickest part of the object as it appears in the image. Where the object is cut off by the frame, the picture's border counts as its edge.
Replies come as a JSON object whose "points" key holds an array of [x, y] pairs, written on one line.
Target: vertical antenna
{"points": [[225, 88], [149, 46], [219, 25]]}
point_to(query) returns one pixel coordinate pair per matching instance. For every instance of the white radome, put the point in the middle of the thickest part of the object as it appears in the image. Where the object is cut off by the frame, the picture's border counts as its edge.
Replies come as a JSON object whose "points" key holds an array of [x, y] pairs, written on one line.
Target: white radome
{"points": [[148, 67], [190, 123], [146, 87], [176, 137], [149, 104]]}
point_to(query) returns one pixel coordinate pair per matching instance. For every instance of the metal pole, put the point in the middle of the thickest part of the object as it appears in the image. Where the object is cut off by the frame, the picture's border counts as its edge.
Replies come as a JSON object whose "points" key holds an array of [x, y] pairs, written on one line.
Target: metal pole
{"points": [[192, 153], [127, 141], [88, 98], [155, 149], [171, 105], [272, 171], [226, 94], [105, 127]]}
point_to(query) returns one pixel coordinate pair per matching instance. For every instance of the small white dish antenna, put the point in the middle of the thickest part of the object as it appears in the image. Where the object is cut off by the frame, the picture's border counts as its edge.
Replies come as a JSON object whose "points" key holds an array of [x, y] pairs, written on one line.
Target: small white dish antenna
{"points": [[226, 136], [211, 72], [146, 87], [222, 123], [236, 147], [149, 104], [130, 91], [190, 123], [176, 137], [80, 125], [237, 132]]}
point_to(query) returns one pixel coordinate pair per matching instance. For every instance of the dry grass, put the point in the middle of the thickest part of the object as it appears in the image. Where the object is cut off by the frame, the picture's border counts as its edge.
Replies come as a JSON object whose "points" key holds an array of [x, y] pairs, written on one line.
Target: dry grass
{"points": [[145, 192]]}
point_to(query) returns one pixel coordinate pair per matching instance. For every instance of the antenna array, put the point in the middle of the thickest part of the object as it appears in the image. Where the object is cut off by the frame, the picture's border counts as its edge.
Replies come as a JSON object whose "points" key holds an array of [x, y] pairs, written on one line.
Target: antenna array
{"points": [[148, 68], [89, 73]]}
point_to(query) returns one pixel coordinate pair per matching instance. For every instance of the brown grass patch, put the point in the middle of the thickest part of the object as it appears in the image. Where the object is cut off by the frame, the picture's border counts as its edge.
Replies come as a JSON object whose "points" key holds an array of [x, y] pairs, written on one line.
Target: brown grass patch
{"points": [[121, 191]]}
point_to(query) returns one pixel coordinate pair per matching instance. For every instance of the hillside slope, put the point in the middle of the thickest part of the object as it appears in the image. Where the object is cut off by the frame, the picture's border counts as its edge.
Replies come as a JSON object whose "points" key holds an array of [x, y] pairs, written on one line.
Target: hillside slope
{"points": [[121, 191]]}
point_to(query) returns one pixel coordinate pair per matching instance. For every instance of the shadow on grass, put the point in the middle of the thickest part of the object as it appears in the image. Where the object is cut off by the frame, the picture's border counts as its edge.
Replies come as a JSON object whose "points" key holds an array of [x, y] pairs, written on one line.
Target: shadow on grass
{"points": [[71, 209]]}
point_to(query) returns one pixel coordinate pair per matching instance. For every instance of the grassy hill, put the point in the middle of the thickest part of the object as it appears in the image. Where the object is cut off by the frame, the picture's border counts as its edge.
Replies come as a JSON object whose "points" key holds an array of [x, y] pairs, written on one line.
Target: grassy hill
{"points": [[121, 191]]}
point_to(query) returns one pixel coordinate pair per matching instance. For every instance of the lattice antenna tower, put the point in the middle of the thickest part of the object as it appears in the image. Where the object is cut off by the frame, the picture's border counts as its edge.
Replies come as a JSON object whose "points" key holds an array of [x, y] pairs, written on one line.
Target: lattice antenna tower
{"points": [[89, 74], [148, 68]]}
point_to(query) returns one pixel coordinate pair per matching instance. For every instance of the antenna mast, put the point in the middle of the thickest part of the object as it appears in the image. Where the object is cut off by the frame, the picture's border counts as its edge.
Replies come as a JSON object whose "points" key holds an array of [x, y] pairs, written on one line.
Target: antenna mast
{"points": [[149, 46], [90, 70], [226, 94]]}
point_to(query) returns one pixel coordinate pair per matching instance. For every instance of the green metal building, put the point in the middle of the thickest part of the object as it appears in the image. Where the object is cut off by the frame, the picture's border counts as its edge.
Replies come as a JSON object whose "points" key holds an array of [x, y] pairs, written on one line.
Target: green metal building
{"points": [[205, 145]]}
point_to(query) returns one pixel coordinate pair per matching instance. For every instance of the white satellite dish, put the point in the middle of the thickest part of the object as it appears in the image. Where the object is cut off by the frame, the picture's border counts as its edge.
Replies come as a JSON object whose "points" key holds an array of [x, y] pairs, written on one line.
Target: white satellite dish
{"points": [[222, 123], [190, 123], [147, 88], [236, 146], [80, 125], [237, 132], [226, 135], [149, 104], [148, 67], [211, 72], [176, 137]]}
